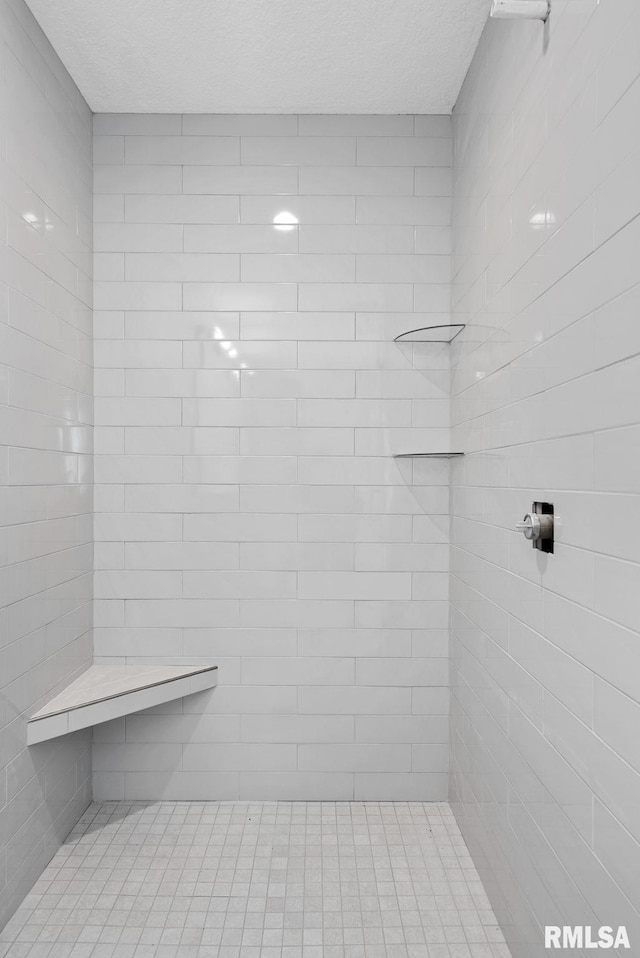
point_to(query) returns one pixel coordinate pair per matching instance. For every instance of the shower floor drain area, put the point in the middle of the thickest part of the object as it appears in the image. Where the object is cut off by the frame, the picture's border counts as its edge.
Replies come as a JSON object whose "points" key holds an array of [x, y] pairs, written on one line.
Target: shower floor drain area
{"points": [[259, 880], [105, 692]]}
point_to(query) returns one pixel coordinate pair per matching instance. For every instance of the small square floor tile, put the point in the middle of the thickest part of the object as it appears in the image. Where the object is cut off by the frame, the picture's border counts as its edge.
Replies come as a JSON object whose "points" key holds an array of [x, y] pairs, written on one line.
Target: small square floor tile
{"points": [[258, 880]]}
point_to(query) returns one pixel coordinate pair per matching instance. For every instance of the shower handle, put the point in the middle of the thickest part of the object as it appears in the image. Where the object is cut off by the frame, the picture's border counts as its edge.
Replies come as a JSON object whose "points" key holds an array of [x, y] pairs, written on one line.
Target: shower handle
{"points": [[536, 526]]}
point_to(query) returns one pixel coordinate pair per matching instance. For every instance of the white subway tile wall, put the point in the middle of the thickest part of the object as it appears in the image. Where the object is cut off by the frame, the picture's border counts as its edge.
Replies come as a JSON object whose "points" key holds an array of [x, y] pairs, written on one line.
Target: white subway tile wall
{"points": [[45, 442], [546, 651], [251, 275]]}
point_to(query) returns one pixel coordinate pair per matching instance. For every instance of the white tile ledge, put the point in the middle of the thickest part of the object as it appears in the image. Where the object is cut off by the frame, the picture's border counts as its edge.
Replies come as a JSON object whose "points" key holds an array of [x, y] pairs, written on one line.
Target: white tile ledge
{"points": [[105, 692]]}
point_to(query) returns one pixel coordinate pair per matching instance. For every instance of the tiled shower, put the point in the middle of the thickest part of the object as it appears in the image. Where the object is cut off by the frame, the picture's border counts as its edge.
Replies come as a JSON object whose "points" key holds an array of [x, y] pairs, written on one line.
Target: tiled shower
{"points": [[223, 446], [249, 400]]}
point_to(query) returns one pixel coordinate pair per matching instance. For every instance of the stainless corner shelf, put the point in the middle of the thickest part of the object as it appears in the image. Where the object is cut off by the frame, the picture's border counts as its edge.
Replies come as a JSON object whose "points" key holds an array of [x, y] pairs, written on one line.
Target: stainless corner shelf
{"points": [[431, 334], [428, 455]]}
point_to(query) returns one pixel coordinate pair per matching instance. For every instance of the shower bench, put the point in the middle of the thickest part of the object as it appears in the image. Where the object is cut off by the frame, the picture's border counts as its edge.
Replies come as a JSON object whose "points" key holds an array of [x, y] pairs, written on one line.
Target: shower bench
{"points": [[105, 692]]}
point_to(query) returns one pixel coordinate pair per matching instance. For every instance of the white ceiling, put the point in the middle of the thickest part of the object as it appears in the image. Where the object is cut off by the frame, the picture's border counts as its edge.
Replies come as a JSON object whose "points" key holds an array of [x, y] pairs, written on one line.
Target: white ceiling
{"points": [[265, 56]]}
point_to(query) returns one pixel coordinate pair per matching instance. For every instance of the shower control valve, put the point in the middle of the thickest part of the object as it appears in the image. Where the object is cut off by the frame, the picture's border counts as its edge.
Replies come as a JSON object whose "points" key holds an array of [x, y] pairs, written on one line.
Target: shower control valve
{"points": [[537, 526], [530, 526]]}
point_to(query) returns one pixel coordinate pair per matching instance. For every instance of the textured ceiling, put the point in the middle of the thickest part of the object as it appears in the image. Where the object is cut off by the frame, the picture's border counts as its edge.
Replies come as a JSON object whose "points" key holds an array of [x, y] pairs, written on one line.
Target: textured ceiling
{"points": [[265, 56]]}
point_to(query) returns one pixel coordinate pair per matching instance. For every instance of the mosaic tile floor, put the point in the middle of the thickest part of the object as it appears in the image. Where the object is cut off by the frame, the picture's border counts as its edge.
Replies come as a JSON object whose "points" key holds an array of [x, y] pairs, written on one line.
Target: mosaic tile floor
{"points": [[258, 880]]}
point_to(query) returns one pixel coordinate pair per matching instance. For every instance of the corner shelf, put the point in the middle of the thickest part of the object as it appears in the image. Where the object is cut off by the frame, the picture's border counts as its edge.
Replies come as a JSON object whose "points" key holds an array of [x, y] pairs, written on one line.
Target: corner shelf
{"points": [[431, 334], [428, 455], [105, 692], [442, 333]]}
